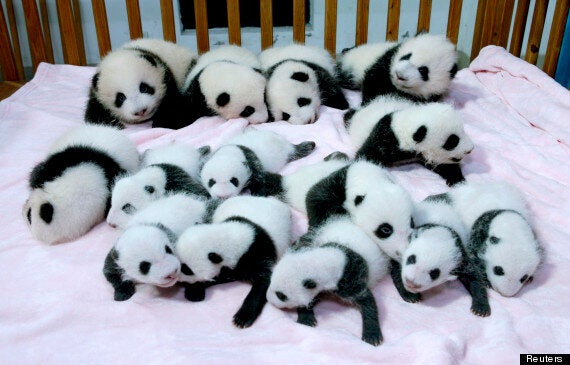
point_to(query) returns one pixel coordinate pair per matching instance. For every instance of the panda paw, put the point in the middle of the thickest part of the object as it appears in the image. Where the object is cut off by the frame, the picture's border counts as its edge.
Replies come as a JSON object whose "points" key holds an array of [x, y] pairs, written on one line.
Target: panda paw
{"points": [[374, 339], [194, 293], [481, 310], [411, 297], [124, 292], [307, 318], [244, 318]]}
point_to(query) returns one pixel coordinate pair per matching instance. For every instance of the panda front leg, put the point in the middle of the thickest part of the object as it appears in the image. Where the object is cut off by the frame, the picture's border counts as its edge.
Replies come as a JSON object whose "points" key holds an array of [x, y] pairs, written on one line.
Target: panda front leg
{"points": [[195, 292], [370, 325], [450, 172], [306, 316], [396, 273], [479, 301], [254, 301]]}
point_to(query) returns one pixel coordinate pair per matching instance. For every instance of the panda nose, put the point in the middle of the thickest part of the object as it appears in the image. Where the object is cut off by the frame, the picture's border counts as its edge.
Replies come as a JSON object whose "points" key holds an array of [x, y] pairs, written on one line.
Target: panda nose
{"points": [[410, 284], [172, 275], [113, 225], [141, 112], [468, 152], [400, 76]]}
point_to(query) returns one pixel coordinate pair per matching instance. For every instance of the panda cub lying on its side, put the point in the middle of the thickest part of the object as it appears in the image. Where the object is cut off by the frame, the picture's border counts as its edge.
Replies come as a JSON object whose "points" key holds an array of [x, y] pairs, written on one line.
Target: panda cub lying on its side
{"points": [[339, 258], [299, 79], [420, 68], [245, 239], [391, 131], [140, 81], [71, 187]]}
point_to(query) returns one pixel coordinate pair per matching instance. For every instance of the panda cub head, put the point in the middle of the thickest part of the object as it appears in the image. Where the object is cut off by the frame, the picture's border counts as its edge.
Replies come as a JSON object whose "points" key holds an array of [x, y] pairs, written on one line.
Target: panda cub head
{"points": [[146, 255], [226, 173], [293, 93], [424, 66], [435, 130], [130, 84]]}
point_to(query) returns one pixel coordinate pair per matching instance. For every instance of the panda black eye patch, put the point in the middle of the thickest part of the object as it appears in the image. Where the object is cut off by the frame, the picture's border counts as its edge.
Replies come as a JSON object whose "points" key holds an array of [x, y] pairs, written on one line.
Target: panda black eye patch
{"points": [[411, 260], [384, 230], [247, 111], [186, 270], [494, 240], [29, 215], [168, 249], [300, 76], [420, 134], [434, 274], [128, 208], [144, 267], [309, 284], [523, 279], [303, 101], [424, 72], [234, 181], [120, 99], [149, 189], [214, 258], [498, 270], [451, 142], [282, 297], [223, 99], [406, 57], [211, 183], [46, 212], [146, 88], [358, 200], [286, 116]]}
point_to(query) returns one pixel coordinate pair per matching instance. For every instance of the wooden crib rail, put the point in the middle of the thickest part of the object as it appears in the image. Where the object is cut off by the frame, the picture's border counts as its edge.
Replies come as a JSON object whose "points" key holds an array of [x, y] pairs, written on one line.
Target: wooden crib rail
{"points": [[492, 26]]}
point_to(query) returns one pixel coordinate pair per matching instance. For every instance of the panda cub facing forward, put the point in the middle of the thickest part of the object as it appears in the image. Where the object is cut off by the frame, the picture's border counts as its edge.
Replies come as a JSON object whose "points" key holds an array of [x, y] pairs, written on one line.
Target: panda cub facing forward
{"points": [[71, 187], [245, 239]]}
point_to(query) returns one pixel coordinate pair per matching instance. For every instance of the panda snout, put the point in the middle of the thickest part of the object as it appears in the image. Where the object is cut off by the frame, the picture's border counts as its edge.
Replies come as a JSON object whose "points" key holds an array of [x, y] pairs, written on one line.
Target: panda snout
{"points": [[411, 285], [141, 112], [400, 76]]}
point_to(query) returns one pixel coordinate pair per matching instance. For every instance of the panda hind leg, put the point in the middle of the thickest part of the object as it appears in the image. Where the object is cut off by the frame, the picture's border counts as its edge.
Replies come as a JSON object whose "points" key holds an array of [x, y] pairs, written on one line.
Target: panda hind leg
{"points": [[254, 301], [306, 316], [371, 332], [301, 150]]}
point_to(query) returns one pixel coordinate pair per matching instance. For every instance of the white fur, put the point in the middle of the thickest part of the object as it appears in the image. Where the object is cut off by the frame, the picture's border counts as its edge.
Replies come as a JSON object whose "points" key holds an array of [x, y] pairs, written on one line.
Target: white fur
{"points": [[299, 52], [225, 173], [359, 59], [180, 154]]}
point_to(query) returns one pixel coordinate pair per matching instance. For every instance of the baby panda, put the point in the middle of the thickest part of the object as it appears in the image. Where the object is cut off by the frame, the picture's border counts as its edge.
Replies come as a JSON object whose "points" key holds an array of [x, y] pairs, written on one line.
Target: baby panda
{"points": [[250, 160], [169, 169], [501, 237], [339, 258], [299, 79], [227, 81], [71, 187], [420, 68], [140, 81], [390, 133], [436, 253], [245, 239], [144, 253]]}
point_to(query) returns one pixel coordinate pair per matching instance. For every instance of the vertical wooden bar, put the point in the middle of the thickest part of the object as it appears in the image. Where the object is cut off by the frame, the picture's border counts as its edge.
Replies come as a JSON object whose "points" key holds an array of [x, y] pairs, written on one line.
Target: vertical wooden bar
{"points": [[478, 31], [7, 61], [134, 16], [47, 31], [16, 44], [78, 32], [519, 27], [556, 36], [362, 22], [299, 21], [266, 21], [167, 14], [393, 20], [487, 31], [536, 28], [330, 26], [234, 30], [499, 8], [424, 16], [201, 15], [454, 19], [101, 26], [504, 26], [71, 54], [34, 30]]}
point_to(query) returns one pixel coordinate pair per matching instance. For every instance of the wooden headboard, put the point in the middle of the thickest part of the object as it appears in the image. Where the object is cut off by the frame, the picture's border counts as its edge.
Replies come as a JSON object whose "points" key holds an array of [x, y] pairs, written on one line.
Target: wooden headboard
{"points": [[492, 26]]}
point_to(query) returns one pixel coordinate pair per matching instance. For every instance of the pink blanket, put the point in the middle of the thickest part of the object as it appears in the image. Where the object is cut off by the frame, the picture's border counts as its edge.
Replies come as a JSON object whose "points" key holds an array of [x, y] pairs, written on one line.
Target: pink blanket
{"points": [[56, 306]]}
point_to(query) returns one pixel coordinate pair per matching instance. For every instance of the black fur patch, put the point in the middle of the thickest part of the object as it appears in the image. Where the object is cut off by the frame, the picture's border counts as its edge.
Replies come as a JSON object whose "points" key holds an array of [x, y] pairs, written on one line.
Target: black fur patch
{"points": [[348, 116], [384, 231], [149, 189], [124, 289], [411, 260], [480, 230], [420, 134], [177, 180], [261, 182], [377, 79], [286, 116], [406, 57], [146, 88], [120, 99], [282, 297], [128, 208], [498, 270], [234, 181], [144, 267], [453, 71], [396, 274], [326, 198], [215, 258], [46, 212], [149, 58], [434, 274], [95, 81], [337, 155], [29, 215], [309, 284], [494, 240], [301, 150], [444, 198], [451, 142], [358, 200], [186, 270], [247, 111], [424, 72], [300, 76], [451, 172], [223, 99], [303, 102]]}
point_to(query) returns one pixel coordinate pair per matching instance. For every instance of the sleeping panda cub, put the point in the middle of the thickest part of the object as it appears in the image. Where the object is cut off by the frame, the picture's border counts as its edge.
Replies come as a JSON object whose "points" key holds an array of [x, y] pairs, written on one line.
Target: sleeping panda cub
{"points": [[144, 253], [420, 68], [501, 236], [227, 81], [71, 187], [390, 133], [169, 169], [245, 239], [250, 161], [436, 253], [140, 81], [299, 79], [340, 258]]}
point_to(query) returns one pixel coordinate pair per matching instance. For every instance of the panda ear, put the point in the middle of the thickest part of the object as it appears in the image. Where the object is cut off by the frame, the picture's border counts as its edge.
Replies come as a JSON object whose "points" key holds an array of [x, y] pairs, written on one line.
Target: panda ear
{"points": [[95, 81], [358, 200], [149, 189], [223, 99], [453, 71], [204, 150], [309, 284], [214, 258], [114, 254], [149, 58], [300, 76], [451, 142], [46, 212], [420, 134]]}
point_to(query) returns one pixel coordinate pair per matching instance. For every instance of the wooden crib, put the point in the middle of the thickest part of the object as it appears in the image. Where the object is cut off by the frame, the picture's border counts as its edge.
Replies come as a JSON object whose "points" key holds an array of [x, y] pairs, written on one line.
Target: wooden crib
{"points": [[492, 26]]}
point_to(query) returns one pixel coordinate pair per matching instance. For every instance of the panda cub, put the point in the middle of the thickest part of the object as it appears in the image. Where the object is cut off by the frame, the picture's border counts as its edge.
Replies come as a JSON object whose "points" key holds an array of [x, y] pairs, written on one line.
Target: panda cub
{"points": [[250, 160], [299, 79], [341, 259], [390, 133], [227, 81], [169, 169], [436, 253], [245, 239], [71, 187], [420, 68], [144, 253], [501, 237], [140, 81]]}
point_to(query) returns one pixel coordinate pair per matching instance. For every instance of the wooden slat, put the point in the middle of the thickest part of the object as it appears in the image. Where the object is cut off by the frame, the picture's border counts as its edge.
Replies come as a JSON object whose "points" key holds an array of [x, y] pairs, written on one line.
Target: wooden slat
{"points": [[453, 20], [424, 16], [330, 26], [362, 22], [202, 35], [499, 7], [266, 13], [167, 14], [556, 36], [47, 31], [477, 32], [490, 11], [517, 34], [78, 32], [71, 53], [101, 26], [393, 20], [504, 26], [34, 30], [299, 21], [7, 62], [536, 28], [7, 88], [234, 30], [134, 16], [15, 45]]}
